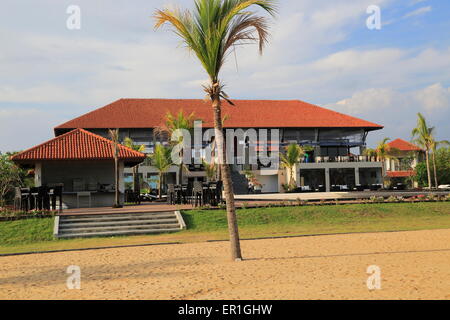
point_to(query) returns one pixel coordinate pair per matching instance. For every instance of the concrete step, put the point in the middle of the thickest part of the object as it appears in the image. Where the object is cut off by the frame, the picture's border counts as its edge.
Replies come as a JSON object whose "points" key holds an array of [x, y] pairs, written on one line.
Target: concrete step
{"points": [[64, 225], [117, 233], [117, 224], [120, 228], [116, 217]]}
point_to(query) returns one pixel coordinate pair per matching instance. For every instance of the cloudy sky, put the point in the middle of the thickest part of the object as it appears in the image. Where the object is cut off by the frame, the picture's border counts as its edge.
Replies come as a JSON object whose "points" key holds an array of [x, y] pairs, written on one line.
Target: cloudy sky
{"points": [[321, 51]]}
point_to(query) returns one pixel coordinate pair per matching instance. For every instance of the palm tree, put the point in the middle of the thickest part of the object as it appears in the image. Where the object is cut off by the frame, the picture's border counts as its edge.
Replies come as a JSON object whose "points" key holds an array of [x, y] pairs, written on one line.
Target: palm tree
{"points": [[114, 135], [211, 170], [293, 154], [175, 123], [434, 146], [422, 136], [128, 142], [161, 159], [384, 152], [212, 30], [370, 152]]}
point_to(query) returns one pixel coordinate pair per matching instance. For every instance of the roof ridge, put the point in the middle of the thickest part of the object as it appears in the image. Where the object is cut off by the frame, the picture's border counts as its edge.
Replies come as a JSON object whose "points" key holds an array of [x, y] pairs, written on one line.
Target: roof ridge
{"points": [[45, 142], [110, 142], [73, 132], [87, 113]]}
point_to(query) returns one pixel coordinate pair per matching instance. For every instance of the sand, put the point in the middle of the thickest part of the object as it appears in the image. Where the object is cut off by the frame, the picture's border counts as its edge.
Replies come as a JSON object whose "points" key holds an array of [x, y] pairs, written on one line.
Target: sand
{"points": [[414, 265]]}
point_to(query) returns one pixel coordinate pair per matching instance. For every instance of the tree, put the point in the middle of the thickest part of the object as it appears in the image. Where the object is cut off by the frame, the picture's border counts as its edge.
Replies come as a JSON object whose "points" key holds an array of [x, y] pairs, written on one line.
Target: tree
{"points": [[422, 136], [434, 146], [175, 123], [114, 135], [370, 152], [293, 154], [211, 170], [128, 142], [10, 177], [442, 158], [162, 160], [384, 152], [212, 30]]}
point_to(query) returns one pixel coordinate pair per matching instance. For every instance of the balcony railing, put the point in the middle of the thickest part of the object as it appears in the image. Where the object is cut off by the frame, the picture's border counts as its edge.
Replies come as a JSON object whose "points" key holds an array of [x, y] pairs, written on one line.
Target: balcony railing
{"points": [[327, 159]]}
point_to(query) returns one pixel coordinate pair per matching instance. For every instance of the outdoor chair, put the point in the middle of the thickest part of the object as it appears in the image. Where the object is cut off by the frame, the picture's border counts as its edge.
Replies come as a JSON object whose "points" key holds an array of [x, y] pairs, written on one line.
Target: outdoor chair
{"points": [[34, 193], [189, 193], [55, 193], [171, 194], [132, 197], [197, 194], [43, 198]]}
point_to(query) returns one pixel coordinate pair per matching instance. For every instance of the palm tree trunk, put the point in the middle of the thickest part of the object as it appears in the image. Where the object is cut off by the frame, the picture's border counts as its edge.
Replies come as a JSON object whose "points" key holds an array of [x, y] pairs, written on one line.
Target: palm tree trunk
{"points": [[159, 186], [136, 179], [233, 230], [116, 192], [180, 173], [428, 168], [291, 178], [435, 171]]}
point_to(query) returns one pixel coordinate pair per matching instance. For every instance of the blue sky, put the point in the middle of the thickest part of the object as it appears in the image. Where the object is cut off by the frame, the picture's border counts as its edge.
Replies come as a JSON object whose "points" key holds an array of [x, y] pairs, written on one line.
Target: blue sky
{"points": [[320, 51]]}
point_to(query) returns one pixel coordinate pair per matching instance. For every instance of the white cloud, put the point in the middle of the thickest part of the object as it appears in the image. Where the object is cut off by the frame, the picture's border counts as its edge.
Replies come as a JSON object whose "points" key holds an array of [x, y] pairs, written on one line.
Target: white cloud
{"points": [[418, 12], [434, 98], [396, 110]]}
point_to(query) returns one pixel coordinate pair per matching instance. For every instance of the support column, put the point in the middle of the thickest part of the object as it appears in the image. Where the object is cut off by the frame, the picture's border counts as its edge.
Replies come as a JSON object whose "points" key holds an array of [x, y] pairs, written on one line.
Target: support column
{"points": [[38, 174], [357, 181], [327, 180]]}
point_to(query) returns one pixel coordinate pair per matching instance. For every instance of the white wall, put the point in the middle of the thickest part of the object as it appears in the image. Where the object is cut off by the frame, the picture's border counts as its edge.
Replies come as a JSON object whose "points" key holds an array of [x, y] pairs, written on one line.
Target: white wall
{"points": [[270, 183]]}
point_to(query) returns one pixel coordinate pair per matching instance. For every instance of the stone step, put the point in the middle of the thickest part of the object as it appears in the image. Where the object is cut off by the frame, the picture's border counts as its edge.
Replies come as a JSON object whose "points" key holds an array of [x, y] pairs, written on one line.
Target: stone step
{"points": [[120, 228], [118, 233], [70, 219], [64, 225], [78, 226]]}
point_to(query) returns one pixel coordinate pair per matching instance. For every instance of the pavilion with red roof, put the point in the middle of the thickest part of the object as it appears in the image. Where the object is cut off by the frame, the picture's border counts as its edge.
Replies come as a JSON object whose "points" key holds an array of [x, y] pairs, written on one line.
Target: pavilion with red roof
{"points": [[82, 163], [407, 156]]}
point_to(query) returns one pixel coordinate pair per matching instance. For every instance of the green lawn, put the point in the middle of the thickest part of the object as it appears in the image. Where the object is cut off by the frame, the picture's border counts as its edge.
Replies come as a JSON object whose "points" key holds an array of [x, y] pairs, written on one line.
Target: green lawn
{"points": [[36, 234]]}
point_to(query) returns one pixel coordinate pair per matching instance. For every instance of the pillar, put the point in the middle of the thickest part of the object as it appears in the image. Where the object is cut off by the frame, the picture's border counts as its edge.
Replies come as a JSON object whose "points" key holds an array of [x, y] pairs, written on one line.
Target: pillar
{"points": [[38, 174], [357, 181], [327, 180]]}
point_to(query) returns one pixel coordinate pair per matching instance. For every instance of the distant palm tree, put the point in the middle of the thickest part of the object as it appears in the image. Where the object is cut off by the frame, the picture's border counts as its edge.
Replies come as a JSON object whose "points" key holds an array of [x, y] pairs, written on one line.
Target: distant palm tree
{"points": [[211, 170], [161, 159], [384, 152], [128, 142], [293, 154], [434, 146], [212, 31], [422, 136], [114, 135], [175, 123]]}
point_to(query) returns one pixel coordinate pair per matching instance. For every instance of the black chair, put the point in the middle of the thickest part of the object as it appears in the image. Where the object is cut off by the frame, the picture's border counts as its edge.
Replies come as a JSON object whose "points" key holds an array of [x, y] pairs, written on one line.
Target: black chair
{"points": [[171, 194], [56, 193], [132, 197], [197, 194], [43, 198]]}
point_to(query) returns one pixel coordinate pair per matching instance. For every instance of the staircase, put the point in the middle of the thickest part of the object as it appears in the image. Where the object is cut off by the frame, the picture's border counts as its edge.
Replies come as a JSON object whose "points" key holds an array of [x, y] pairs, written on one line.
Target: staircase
{"points": [[240, 182], [81, 226]]}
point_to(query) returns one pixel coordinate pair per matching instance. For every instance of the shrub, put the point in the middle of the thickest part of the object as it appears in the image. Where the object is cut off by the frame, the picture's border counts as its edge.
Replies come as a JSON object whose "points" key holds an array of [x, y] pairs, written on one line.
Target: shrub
{"points": [[392, 199]]}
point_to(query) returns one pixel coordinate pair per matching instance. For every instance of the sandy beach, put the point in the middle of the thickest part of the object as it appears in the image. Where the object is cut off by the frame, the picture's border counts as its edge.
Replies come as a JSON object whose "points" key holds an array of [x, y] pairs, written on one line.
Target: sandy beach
{"points": [[414, 265]]}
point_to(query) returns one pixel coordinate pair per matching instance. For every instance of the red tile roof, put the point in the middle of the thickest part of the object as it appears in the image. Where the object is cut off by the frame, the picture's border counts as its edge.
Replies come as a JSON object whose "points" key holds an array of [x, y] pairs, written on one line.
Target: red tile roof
{"points": [[403, 145], [151, 113], [400, 174], [78, 144]]}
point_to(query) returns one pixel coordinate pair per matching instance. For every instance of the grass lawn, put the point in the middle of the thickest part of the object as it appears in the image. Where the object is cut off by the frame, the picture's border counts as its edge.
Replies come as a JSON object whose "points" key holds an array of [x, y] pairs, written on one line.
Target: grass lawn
{"points": [[36, 234]]}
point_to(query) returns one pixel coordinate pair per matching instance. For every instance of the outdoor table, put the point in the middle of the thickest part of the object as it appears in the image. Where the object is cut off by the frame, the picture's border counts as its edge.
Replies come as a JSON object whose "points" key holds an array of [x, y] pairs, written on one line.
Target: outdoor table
{"points": [[83, 194]]}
